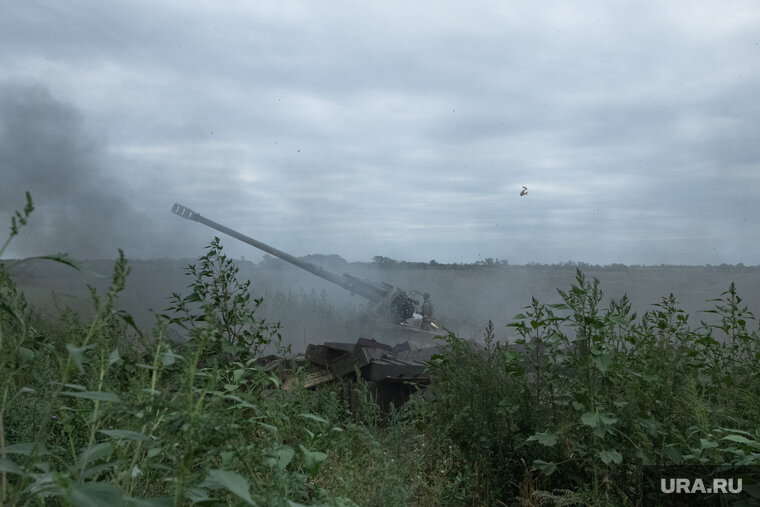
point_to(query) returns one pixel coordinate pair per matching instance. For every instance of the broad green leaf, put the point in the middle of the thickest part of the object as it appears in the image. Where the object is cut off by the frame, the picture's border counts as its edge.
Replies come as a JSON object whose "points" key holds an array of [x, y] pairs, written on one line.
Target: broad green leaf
{"points": [[197, 495], [26, 449], [610, 456], [590, 419], [115, 357], [192, 298], [547, 467], [124, 434], [237, 374], [602, 362], [240, 402], [92, 395], [234, 483], [312, 459], [94, 471], [732, 430], [313, 418], [168, 358], [64, 258], [228, 458], [750, 459], [126, 317], [95, 453], [274, 379], [269, 427], [282, 457], [673, 454], [95, 494], [707, 444], [230, 387], [10, 467], [739, 439], [547, 439], [618, 320], [607, 419]]}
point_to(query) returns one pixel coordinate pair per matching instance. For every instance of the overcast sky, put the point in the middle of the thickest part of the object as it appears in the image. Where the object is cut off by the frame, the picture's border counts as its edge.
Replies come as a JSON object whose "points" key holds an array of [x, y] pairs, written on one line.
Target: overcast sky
{"points": [[403, 129]]}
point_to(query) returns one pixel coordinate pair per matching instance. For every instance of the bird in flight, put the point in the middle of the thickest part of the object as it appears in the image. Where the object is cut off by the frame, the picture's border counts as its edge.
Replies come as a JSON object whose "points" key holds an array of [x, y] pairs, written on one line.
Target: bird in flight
{"points": [[524, 191]]}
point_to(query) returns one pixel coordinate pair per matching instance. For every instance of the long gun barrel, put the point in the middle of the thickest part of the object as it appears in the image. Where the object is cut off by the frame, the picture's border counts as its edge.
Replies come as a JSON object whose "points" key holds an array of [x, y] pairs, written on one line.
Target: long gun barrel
{"points": [[387, 298]]}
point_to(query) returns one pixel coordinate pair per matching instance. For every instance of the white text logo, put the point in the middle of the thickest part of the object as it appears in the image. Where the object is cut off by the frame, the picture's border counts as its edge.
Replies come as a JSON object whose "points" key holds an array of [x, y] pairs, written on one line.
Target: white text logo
{"points": [[669, 486]]}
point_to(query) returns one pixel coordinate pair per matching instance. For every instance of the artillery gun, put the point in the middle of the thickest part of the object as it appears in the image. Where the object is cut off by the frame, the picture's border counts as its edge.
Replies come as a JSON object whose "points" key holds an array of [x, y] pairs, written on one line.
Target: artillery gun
{"points": [[392, 303]]}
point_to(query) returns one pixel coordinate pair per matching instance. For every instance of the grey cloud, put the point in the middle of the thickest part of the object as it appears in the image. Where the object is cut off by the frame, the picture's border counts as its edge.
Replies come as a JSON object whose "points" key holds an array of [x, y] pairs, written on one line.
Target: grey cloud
{"points": [[407, 131]]}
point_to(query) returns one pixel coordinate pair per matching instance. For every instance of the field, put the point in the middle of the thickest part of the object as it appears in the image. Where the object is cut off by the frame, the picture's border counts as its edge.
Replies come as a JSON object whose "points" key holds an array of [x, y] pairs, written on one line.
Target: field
{"points": [[313, 310], [107, 403]]}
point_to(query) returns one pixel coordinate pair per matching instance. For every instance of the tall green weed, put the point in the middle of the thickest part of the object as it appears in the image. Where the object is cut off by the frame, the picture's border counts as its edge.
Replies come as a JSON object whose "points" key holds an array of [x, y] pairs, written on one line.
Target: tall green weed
{"points": [[587, 395], [96, 413]]}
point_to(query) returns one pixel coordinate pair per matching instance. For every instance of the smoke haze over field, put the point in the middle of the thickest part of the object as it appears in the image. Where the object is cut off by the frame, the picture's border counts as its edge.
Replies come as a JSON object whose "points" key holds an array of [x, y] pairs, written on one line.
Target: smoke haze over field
{"points": [[313, 310], [394, 129]]}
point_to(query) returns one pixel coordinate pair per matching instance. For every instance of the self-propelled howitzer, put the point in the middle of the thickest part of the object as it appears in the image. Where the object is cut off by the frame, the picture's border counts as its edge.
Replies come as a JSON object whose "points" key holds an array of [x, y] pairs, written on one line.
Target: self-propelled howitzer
{"points": [[391, 302]]}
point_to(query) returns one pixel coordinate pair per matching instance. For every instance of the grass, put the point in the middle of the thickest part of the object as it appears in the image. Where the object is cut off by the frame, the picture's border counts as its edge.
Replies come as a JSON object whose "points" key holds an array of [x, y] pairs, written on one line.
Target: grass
{"points": [[97, 411]]}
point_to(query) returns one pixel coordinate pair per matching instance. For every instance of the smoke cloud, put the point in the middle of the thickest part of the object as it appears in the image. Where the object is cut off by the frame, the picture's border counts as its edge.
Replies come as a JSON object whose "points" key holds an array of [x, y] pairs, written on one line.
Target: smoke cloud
{"points": [[47, 149]]}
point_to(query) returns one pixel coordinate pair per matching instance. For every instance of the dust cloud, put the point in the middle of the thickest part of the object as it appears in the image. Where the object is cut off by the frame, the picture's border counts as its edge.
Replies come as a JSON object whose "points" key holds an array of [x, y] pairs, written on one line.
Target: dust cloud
{"points": [[47, 149]]}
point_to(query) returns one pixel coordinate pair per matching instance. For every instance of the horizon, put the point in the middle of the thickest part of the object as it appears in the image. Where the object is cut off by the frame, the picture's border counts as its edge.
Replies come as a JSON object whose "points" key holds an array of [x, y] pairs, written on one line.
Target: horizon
{"points": [[396, 263]]}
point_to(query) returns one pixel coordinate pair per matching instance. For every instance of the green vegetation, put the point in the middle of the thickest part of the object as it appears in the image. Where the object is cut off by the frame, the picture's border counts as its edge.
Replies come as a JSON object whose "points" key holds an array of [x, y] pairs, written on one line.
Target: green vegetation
{"points": [[594, 394], [98, 412]]}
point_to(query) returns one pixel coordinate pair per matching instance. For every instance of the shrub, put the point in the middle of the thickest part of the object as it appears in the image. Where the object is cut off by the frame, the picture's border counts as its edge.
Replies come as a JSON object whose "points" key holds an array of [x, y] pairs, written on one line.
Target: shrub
{"points": [[223, 307], [587, 395]]}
